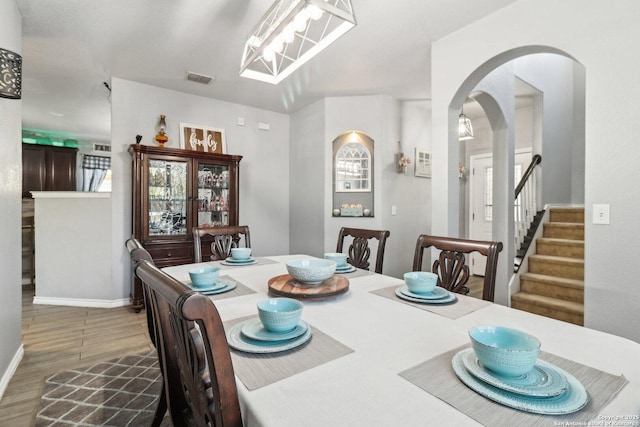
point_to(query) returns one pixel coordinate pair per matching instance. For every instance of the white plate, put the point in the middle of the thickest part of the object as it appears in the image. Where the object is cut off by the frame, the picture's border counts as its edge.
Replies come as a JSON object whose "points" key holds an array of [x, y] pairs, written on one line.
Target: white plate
{"points": [[238, 341], [572, 400], [449, 299], [231, 261], [254, 329], [544, 380], [438, 293], [229, 285], [347, 269]]}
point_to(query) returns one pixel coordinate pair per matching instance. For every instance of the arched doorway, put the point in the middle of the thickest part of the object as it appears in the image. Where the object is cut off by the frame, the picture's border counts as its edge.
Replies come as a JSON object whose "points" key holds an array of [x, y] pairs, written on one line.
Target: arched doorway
{"points": [[561, 80]]}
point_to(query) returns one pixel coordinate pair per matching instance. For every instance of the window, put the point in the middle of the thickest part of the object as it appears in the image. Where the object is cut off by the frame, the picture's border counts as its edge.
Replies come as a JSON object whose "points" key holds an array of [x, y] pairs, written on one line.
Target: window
{"points": [[488, 191]]}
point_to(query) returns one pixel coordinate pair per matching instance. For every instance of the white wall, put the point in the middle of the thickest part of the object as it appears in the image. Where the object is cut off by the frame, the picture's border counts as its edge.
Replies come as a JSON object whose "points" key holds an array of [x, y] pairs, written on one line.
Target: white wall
{"points": [[612, 297], [264, 169], [553, 75], [10, 206], [74, 271], [306, 186]]}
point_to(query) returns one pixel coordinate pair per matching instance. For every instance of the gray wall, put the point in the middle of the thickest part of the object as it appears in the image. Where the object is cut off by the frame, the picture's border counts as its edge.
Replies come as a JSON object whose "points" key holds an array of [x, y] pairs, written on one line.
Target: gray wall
{"points": [[562, 127], [306, 186], [10, 206]]}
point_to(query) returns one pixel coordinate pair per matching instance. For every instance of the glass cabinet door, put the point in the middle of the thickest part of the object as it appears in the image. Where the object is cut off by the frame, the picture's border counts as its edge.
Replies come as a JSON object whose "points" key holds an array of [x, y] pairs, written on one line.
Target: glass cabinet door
{"points": [[213, 195], [167, 197]]}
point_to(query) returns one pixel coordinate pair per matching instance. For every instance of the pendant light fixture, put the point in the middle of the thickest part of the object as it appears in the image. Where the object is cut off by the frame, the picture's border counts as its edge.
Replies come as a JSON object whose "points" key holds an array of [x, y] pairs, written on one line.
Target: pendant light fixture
{"points": [[465, 130], [291, 33]]}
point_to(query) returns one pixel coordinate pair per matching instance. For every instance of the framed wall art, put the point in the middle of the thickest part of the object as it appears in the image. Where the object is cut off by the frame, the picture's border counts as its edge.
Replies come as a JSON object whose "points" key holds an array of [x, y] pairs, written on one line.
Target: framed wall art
{"points": [[202, 138], [423, 163]]}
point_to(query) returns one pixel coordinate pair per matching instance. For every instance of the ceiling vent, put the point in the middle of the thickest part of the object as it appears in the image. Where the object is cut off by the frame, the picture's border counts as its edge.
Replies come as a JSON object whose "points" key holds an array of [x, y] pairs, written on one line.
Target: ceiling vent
{"points": [[198, 78]]}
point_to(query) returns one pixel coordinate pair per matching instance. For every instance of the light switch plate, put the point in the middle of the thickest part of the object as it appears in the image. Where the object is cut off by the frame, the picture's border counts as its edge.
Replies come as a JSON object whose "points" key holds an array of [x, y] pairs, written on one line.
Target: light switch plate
{"points": [[601, 214]]}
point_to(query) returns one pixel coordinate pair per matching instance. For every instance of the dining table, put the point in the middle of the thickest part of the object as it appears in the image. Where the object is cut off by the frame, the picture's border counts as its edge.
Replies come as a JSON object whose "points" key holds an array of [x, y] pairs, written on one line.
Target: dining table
{"points": [[378, 360]]}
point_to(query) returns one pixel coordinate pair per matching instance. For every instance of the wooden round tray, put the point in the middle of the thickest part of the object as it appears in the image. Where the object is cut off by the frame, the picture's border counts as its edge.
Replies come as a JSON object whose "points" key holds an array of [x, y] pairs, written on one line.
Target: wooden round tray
{"points": [[287, 286]]}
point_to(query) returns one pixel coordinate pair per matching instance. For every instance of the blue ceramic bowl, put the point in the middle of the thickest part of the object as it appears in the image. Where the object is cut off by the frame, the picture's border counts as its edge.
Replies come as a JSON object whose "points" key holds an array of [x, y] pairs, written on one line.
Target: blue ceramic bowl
{"points": [[240, 253], [279, 314], [505, 351], [311, 271], [204, 277], [339, 258], [421, 282]]}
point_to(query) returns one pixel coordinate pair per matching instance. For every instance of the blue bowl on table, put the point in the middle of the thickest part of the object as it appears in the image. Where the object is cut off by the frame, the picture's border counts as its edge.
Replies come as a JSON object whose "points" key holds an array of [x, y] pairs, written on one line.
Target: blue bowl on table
{"points": [[241, 254], [505, 351], [421, 282], [279, 314], [204, 277]]}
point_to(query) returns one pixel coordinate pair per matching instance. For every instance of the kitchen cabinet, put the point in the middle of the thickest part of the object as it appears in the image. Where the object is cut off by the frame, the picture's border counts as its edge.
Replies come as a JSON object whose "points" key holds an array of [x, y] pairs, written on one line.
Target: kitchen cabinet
{"points": [[48, 168]]}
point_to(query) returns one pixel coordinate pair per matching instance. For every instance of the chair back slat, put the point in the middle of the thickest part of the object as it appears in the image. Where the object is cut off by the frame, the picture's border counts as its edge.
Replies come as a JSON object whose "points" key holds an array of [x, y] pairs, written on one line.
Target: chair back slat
{"points": [[219, 241], [359, 250], [451, 267]]}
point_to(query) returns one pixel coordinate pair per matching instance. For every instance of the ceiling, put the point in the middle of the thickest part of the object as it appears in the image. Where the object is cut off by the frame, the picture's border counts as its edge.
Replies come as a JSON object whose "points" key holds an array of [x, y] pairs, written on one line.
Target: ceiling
{"points": [[71, 47]]}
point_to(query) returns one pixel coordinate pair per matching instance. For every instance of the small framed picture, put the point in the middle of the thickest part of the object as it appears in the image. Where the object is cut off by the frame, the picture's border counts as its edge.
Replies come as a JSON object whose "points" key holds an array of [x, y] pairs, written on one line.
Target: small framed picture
{"points": [[423, 163], [202, 138]]}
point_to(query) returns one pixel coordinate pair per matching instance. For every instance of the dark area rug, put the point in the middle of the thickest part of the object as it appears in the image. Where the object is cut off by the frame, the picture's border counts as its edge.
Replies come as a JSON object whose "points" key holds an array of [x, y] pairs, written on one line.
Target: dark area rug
{"points": [[119, 392]]}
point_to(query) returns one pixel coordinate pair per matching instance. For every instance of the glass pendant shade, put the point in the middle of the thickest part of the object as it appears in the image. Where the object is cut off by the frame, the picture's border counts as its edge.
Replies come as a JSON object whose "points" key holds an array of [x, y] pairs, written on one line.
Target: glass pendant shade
{"points": [[465, 130]]}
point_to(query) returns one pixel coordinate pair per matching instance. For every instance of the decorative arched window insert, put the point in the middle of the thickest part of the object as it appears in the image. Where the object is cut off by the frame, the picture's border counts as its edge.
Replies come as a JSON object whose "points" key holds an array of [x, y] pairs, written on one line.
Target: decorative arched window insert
{"points": [[353, 168], [353, 174]]}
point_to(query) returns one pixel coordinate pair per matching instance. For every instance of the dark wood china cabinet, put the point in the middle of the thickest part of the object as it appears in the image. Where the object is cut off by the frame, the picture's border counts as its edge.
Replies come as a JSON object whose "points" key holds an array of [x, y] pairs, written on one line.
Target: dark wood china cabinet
{"points": [[173, 191]]}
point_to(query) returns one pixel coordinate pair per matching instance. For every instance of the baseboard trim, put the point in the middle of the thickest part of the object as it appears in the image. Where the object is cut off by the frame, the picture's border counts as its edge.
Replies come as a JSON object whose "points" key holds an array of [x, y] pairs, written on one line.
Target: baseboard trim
{"points": [[76, 302], [11, 370]]}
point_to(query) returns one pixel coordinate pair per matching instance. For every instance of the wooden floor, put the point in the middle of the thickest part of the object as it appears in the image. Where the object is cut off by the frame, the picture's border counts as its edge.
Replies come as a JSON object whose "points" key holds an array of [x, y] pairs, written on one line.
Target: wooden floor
{"points": [[58, 338], [475, 284]]}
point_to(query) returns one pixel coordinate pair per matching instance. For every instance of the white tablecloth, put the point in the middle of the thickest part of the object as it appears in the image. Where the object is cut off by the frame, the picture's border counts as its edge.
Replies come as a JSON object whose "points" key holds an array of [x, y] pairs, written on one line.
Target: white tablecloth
{"points": [[363, 388]]}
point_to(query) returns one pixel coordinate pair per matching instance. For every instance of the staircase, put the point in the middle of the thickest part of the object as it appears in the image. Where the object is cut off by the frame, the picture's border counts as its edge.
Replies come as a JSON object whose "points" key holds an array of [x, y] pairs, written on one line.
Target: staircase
{"points": [[554, 285]]}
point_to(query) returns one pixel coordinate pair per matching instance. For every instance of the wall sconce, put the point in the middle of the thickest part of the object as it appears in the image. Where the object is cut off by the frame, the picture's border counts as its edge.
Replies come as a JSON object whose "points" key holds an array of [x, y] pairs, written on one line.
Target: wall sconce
{"points": [[401, 161], [10, 74], [291, 33], [461, 171], [161, 137]]}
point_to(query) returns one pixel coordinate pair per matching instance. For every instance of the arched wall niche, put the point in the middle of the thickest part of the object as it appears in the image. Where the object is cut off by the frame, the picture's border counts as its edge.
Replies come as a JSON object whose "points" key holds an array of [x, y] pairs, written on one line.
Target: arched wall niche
{"points": [[353, 174]]}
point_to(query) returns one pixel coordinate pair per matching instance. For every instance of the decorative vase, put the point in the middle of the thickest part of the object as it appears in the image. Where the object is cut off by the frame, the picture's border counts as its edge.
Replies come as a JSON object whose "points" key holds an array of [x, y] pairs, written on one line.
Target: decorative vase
{"points": [[161, 137]]}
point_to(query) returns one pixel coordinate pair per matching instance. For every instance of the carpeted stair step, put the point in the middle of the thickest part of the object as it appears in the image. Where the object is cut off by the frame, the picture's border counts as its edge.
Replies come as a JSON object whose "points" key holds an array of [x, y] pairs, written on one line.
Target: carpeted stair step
{"points": [[567, 248], [554, 287], [575, 215], [569, 268], [567, 311], [563, 230]]}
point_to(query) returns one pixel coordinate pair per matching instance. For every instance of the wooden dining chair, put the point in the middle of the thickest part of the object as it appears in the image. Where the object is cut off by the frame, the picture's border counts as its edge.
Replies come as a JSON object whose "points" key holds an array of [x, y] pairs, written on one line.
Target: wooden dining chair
{"points": [[359, 251], [218, 241], [199, 379], [138, 253], [451, 266]]}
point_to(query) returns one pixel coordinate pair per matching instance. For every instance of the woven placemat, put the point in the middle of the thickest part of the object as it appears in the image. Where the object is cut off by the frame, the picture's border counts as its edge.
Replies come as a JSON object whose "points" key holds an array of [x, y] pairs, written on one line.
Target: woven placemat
{"points": [[259, 370], [437, 377], [463, 305]]}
